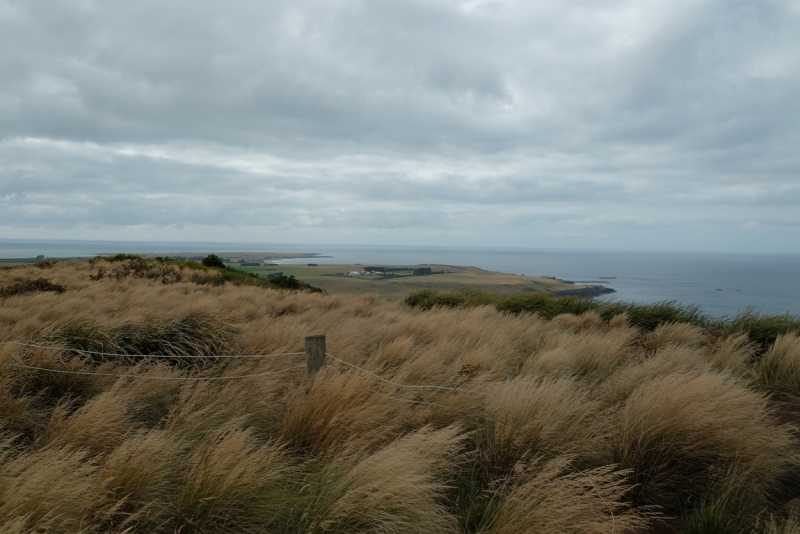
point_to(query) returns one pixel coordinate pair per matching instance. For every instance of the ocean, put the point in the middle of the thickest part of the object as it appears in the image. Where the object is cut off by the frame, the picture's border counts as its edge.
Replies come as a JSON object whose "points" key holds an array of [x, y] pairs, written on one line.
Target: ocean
{"points": [[722, 284]]}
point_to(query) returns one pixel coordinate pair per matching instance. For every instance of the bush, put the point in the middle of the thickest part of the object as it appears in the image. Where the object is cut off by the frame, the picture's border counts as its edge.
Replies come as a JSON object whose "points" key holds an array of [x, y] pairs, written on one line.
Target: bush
{"points": [[763, 329], [121, 257], [40, 284], [193, 334], [212, 260]]}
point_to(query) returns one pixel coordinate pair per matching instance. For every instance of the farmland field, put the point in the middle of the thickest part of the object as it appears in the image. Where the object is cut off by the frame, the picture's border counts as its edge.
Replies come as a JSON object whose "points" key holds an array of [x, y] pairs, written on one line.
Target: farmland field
{"points": [[398, 281]]}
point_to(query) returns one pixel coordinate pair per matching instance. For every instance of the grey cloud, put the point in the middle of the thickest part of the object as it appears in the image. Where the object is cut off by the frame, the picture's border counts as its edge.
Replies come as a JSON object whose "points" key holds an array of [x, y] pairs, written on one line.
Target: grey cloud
{"points": [[434, 117]]}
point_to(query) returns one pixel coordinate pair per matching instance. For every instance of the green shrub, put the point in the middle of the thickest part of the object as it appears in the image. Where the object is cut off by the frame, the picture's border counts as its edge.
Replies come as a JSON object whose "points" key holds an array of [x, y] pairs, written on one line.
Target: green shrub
{"points": [[121, 257], [763, 329], [428, 298], [194, 334], [212, 260], [649, 316]]}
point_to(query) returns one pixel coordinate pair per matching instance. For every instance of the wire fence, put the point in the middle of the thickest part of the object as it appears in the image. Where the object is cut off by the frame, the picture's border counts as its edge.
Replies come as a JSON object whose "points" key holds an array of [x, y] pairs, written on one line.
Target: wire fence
{"points": [[123, 356], [166, 356], [152, 377], [267, 373], [409, 386]]}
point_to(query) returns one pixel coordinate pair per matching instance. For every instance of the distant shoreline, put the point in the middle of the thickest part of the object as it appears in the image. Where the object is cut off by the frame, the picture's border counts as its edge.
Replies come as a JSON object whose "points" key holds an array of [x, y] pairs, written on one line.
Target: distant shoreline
{"points": [[444, 277]]}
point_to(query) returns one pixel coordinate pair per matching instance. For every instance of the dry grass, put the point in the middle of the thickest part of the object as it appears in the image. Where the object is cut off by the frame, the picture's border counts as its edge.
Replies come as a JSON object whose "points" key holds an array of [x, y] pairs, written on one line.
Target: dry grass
{"points": [[677, 432], [397, 489], [557, 498], [576, 424], [779, 368]]}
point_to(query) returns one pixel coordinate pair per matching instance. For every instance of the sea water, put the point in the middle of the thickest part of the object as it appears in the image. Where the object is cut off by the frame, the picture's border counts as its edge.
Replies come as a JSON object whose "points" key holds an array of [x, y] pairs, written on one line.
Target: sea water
{"points": [[722, 284]]}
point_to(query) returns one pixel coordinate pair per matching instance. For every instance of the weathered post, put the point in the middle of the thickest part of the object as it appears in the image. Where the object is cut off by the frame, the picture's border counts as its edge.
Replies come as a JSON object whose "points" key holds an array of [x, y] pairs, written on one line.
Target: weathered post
{"points": [[315, 354]]}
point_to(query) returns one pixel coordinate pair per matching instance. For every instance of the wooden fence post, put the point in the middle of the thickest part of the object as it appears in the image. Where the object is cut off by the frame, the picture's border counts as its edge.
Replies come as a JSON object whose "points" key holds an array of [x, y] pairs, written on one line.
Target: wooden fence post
{"points": [[315, 354]]}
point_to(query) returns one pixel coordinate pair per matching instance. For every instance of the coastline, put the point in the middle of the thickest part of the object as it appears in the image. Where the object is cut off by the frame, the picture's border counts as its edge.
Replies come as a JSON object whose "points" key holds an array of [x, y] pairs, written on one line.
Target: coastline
{"points": [[723, 284], [390, 281]]}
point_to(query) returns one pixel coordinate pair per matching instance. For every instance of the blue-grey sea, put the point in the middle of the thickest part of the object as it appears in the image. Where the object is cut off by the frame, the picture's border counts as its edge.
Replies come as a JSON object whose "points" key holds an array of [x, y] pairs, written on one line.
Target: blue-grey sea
{"points": [[722, 284]]}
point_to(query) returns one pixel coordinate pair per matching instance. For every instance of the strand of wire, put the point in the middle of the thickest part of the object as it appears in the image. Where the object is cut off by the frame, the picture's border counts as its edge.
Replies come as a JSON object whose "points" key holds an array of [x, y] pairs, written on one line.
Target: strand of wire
{"points": [[88, 373], [121, 355], [435, 404], [410, 386]]}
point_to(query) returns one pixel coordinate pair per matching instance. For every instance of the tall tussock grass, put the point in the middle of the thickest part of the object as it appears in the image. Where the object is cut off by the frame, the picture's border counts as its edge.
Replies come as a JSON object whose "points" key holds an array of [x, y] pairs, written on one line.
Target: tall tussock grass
{"points": [[762, 329], [556, 497], [450, 418], [779, 368], [194, 334], [678, 432]]}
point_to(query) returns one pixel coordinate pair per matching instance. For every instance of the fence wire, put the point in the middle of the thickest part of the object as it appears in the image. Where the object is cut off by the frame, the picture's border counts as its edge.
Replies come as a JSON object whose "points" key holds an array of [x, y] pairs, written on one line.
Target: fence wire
{"points": [[115, 375], [410, 386], [123, 355]]}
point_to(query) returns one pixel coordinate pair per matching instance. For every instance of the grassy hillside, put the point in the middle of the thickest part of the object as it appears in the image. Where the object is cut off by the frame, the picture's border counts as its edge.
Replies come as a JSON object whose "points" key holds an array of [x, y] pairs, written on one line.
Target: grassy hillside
{"points": [[117, 415]]}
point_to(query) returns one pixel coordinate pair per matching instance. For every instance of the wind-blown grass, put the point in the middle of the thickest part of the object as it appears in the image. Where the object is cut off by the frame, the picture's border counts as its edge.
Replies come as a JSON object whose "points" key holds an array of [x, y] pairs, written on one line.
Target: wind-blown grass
{"points": [[761, 329], [573, 419]]}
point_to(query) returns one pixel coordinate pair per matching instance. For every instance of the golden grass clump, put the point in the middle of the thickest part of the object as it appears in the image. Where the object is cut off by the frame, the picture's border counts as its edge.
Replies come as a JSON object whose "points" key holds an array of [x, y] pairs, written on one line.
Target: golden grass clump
{"points": [[231, 484], [397, 489], [139, 477], [98, 426], [44, 489], [530, 417], [677, 432], [676, 334], [779, 368], [555, 498], [789, 525], [591, 354], [338, 410], [733, 353]]}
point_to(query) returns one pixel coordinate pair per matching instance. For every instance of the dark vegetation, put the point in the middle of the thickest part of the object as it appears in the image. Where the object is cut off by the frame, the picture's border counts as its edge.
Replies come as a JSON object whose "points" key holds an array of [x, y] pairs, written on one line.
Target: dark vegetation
{"points": [[31, 286], [193, 336], [169, 271]]}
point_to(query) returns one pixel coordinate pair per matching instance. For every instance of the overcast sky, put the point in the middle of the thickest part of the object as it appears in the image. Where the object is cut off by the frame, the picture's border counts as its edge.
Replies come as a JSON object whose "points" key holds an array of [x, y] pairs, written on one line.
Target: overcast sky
{"points": [[638, 124]]}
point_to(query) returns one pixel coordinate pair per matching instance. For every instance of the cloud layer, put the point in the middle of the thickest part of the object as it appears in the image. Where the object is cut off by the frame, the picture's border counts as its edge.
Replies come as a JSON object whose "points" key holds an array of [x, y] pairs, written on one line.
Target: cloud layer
{"points": [[633, 124]]}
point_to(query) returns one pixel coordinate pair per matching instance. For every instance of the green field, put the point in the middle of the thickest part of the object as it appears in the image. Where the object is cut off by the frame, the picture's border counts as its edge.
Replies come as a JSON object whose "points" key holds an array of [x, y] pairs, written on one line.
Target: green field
{"points": [[335, 279]]}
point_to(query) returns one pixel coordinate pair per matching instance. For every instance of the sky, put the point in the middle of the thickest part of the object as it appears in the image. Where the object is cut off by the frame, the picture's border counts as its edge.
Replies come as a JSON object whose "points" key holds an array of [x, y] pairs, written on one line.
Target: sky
{"points": [[600, 124]]}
